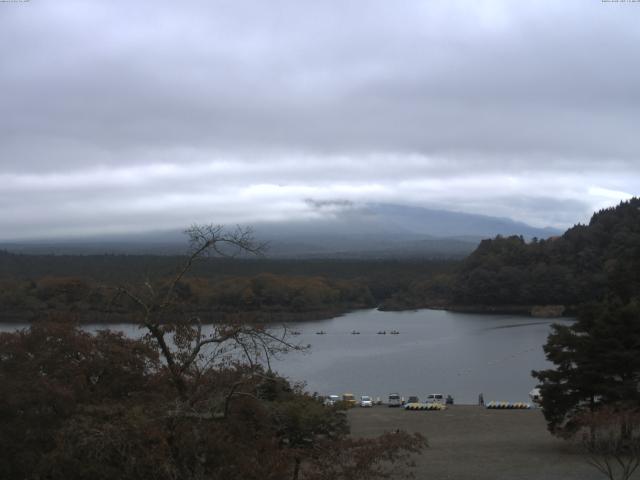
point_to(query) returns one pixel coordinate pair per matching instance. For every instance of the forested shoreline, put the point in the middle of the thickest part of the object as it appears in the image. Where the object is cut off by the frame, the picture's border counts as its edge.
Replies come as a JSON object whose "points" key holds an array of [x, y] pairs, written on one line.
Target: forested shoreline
{"points": [[262, 290], [541, 277]]}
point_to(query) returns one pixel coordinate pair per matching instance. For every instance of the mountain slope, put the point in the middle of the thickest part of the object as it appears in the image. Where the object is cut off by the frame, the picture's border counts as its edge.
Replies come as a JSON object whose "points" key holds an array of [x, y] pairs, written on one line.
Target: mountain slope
{"points": [[368, 231], [443, 223]]}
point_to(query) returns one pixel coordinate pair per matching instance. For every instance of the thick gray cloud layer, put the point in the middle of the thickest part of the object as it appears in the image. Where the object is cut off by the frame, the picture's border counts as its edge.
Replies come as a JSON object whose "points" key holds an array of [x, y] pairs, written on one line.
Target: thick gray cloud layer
{"points": [[118, 115]]}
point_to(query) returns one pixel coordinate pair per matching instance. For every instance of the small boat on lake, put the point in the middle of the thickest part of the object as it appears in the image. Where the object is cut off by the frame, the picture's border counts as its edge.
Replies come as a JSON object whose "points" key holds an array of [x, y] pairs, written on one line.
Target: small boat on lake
{"points": [[382, 332], [355, 332], [394, 332], [321, 332]]}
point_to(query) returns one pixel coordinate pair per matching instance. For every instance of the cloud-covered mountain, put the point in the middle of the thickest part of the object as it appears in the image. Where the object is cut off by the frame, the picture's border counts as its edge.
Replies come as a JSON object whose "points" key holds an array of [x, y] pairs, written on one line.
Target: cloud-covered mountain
{"points": [[342, 230], [390, 230]]}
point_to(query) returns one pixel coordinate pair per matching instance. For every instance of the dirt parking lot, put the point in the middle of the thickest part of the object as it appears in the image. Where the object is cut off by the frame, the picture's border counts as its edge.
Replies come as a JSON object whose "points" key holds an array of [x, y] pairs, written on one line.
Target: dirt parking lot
{"points": [[471, 442]]}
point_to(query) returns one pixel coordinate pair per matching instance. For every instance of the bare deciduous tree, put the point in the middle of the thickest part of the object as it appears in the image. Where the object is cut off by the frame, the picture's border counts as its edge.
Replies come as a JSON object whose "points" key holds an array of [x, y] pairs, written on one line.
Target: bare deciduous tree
{"points": [[610, 437], [182, 341]]}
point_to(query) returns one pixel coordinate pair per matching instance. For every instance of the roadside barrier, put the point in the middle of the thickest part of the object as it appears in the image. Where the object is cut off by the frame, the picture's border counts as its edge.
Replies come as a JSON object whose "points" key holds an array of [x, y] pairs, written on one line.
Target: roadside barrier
{"points": [[508, 405], [425, 406]]}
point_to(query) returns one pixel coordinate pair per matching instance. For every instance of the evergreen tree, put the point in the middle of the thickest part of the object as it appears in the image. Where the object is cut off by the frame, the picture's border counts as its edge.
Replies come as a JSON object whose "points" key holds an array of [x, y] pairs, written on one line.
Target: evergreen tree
{"points": [[597, 363]]}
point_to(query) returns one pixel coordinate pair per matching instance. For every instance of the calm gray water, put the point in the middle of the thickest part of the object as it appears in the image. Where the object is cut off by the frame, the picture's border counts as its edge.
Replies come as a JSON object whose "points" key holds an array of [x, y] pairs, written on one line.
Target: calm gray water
{"points": [[435, 352]]}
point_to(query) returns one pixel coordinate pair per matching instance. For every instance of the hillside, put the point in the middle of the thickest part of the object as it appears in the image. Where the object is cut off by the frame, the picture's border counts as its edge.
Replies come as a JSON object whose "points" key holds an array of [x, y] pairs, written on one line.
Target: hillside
{"points": [[588, 262]]}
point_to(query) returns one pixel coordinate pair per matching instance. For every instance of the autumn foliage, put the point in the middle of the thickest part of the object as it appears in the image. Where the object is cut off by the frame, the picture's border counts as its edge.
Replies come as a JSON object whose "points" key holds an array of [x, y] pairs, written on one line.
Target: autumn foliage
{"points": [[77, 405]]}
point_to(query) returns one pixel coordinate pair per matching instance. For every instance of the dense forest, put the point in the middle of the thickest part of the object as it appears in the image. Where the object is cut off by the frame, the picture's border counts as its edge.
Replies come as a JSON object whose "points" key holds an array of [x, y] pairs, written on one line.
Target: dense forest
{"points": [[35, 285], [587, 262]]}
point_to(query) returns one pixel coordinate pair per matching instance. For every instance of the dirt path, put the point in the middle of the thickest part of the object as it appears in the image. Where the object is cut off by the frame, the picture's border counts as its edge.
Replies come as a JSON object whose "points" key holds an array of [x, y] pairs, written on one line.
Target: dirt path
{"points": [[470, 442]]}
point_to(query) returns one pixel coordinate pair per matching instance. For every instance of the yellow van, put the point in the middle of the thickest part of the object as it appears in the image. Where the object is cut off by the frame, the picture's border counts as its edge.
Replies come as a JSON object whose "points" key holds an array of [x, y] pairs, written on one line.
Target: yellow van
{"points": [[349, 399]]}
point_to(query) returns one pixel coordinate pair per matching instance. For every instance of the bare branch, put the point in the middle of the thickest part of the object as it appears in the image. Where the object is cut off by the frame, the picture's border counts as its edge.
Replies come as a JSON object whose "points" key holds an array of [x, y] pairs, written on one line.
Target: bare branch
{"points": [[136, 299], [184, 355], [611, 439], [206, 238]]}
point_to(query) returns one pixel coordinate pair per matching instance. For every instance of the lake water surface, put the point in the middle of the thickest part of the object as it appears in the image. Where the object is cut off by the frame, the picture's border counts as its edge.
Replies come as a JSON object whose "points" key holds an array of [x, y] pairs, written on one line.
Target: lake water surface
{"points": [[435, 352]]}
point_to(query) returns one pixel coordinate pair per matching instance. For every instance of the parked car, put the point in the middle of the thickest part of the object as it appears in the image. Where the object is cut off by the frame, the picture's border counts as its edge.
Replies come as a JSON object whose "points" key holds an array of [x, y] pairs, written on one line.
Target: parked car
{"points": [[365, 401], [331, 400], [435, 398], [413, 399], [349, 399], [394, 400]]}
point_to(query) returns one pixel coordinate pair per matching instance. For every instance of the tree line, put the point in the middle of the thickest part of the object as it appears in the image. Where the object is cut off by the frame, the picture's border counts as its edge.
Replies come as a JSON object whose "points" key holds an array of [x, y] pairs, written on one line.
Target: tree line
{"points": [[215, 287], [587, 262], [266, 294]]}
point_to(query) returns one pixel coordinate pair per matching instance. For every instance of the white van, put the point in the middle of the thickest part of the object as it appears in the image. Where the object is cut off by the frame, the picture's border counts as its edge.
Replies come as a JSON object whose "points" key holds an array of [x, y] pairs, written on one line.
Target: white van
{"points": [[435, 398], [394, 400]]}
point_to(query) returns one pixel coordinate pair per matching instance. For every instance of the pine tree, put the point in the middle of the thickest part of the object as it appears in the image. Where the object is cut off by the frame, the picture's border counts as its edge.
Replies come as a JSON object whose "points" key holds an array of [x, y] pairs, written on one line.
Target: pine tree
{"points": [[597, 363]]}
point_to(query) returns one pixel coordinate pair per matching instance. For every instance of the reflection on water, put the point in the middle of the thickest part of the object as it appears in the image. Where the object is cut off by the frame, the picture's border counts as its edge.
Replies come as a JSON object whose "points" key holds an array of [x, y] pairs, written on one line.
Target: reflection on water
{"points": [[434, 352], [519, 325]]}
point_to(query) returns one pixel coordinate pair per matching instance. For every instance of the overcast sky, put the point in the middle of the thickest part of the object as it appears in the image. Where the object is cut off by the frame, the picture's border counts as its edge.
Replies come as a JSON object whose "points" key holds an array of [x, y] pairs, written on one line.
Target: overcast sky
{"points": [[131, 115]]}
